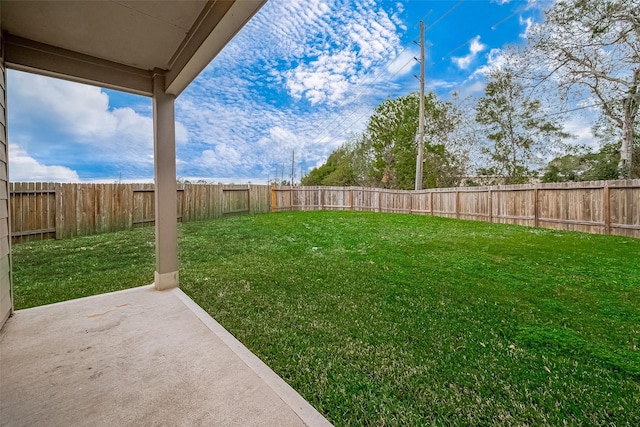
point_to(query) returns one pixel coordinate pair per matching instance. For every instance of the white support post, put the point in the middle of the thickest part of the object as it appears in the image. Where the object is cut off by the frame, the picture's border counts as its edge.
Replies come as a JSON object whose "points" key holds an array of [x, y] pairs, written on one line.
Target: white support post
{"points": [[164, 137]]}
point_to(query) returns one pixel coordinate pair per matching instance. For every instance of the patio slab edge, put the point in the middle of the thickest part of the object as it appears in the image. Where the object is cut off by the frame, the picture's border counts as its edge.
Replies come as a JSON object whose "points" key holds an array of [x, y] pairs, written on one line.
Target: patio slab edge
{"points": [[303, 409]]}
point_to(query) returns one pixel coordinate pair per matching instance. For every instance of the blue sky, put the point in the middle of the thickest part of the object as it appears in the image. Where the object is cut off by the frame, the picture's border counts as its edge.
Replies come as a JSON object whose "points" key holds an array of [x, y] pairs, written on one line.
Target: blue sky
{"points": [[301, 76]]}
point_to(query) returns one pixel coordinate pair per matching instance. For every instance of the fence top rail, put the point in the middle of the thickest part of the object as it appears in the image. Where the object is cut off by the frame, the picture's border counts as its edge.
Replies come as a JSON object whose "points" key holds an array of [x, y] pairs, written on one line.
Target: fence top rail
{"points": [[136, 186], [332, 188], [147, 187], [47, 191], [582, 185]]}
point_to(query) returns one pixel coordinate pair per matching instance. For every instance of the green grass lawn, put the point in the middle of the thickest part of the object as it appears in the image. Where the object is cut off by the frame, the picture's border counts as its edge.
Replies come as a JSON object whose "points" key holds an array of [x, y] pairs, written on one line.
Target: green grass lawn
{"points": [[385, 319]]}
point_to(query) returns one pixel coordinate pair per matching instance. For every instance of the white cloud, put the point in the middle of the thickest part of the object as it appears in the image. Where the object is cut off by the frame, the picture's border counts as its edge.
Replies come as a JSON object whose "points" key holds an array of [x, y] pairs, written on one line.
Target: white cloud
{"points": [[235, 139], [475, 47], [285, 137], [331, 48], [314, 74], [474, 88], [527, 22], [24, 168], [580, 127], [496, 60], [79, 110], [541, 4], [324, 80], [404, 63], [87, 128], [221, 156], [320, 69]]}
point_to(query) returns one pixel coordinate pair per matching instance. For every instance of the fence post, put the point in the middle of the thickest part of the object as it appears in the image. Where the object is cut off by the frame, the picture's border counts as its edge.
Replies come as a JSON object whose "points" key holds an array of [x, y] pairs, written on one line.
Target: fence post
{"points": [[490, 203], [606, 207], [59, 216], [431, 202], [410, 203], [273, 199], [183, 206], [536, 212], [74, 206], [249, 198]]}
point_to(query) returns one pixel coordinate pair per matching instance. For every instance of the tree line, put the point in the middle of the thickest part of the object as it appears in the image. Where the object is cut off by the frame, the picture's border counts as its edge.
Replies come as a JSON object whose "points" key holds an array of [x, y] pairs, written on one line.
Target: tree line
{"points": [[584, 55]]}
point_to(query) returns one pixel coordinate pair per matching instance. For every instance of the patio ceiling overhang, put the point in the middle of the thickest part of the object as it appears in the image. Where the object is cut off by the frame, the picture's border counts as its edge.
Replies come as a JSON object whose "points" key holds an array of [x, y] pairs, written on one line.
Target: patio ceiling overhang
{"points": [[121, 44]]}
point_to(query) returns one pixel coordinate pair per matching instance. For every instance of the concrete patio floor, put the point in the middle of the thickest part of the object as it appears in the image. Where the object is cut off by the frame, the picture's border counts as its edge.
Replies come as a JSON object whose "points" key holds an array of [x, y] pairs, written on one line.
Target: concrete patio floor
{"points": [[137, 357]]}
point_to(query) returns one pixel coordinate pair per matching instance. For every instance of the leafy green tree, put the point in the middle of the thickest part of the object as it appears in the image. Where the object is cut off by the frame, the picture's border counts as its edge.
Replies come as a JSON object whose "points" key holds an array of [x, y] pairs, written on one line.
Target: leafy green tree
{"points": [[589, 166], [335, 171], [602, 165], [361, 159], [606, 131], [565, 168], [442, 168], [516, 128], [391, 133], [385, 154], [593, 46]]}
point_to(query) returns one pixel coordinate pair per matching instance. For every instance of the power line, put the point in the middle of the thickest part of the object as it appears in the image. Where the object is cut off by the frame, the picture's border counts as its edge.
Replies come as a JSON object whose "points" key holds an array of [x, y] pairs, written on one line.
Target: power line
{"points": [[369, 83], [503, 20], [417, 24], [331, 126], [445, 14], [361, 93], [459, 47], [559, 113]]}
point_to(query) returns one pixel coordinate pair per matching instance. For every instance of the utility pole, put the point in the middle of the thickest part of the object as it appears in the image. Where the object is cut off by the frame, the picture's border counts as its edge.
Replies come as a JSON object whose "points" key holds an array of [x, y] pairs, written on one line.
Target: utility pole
{"points": [[420, 137], [293, 159], [282, 174]]}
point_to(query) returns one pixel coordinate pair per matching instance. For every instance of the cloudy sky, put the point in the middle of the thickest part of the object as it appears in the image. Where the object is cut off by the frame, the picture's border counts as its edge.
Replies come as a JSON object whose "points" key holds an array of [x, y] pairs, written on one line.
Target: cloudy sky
{"points": [[301, 76]]}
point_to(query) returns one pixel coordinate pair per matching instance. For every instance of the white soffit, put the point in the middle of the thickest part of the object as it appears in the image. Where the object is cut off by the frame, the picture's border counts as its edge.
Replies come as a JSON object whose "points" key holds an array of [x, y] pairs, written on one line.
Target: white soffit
{"points": [[121, 43]]}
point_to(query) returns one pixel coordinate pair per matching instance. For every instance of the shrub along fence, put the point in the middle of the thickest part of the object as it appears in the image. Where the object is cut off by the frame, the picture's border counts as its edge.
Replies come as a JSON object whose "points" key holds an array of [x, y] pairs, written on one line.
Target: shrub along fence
{"points": [[602, 207], [51, 210]]}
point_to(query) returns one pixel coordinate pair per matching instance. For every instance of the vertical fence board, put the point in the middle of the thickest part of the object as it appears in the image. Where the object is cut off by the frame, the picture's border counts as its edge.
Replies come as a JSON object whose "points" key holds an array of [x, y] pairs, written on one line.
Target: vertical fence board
{"points": [[69, 202], [48, 210], [39, 213], [24, 208], [32, 219], [611, 207], [216, 197]]}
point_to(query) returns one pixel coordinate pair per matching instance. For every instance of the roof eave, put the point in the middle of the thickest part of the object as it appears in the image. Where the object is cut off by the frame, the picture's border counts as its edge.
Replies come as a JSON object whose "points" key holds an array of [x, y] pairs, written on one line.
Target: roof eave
{"points": [[39, 58], [218, 24]]}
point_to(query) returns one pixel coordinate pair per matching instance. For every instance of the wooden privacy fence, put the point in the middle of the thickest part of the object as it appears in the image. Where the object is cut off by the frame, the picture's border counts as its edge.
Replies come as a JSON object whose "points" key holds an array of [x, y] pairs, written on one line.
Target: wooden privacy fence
{"points": [[50, 210], [602, 207]]}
